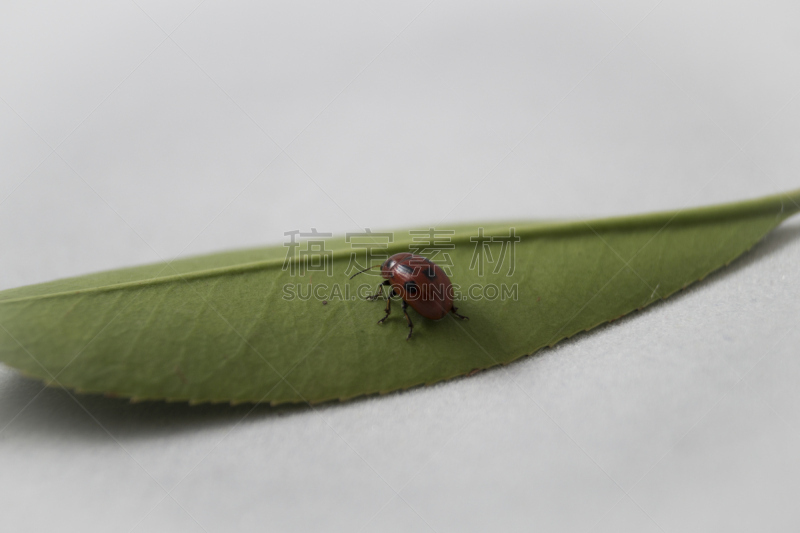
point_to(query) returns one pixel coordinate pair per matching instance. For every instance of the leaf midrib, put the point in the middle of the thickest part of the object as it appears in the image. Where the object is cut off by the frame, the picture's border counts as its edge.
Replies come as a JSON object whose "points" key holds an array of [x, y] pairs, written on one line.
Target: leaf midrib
{"points": [[738, 210]]}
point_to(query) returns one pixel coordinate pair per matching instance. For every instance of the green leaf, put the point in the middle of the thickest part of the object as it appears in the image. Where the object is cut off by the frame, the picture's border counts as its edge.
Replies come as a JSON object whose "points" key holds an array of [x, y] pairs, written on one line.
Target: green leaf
{"points": [[218, 327]]}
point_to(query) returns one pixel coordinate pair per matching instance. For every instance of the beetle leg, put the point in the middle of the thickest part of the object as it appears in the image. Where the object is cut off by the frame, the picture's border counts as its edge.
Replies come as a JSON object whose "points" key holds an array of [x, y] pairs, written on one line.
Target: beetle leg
{"points": [[388, 309], [462, 317], [408, 319], [379, 293]]}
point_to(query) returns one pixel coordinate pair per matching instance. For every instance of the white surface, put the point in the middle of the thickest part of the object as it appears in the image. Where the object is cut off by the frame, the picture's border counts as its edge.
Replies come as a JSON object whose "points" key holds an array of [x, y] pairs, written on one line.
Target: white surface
{"points": [[251, 120]]}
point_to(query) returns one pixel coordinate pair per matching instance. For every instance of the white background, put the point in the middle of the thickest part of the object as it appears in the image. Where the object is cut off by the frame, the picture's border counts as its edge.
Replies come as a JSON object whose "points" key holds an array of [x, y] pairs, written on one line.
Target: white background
{"points": [[138, 131]]}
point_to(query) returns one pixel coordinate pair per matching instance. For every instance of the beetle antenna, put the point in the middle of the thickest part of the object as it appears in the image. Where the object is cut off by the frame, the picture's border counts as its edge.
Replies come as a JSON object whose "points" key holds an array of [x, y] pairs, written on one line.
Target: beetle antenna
{"points": [[360, 271]]}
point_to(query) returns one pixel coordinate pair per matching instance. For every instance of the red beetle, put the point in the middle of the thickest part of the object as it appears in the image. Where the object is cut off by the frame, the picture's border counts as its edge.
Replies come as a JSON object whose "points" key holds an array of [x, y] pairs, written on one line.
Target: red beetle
{"points": [[420, 283]]}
